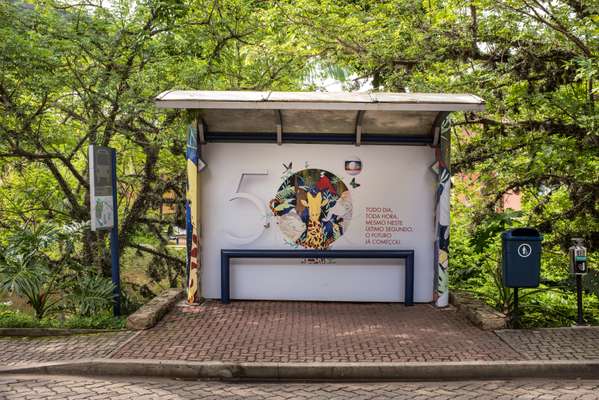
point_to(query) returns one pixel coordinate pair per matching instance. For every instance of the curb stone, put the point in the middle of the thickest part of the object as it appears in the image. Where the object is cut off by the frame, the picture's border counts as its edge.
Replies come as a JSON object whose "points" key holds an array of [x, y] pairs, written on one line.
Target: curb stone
{"points": [[414, 371], [41, 332], [150, 313], [478, 312]]}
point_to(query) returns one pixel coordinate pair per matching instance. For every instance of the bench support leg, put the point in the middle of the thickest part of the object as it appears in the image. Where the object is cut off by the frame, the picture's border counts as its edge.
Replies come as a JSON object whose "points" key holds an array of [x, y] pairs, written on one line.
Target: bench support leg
{"points": [[409, 289], [225, 284]]}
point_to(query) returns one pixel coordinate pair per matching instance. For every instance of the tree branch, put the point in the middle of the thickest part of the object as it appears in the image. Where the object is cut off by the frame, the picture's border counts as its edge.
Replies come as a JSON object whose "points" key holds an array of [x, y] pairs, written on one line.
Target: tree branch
{"points": [[157, 253]]}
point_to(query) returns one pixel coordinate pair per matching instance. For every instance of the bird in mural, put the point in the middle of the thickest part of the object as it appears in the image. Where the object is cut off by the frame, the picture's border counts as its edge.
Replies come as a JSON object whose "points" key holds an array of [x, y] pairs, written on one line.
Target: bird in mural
{"points": [[282, 206], [324, 183]]}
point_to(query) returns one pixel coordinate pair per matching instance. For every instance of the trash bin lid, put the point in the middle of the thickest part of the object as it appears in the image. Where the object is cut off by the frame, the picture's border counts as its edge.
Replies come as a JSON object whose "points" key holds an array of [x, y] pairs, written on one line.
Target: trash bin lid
{"points": [[522, 233]]}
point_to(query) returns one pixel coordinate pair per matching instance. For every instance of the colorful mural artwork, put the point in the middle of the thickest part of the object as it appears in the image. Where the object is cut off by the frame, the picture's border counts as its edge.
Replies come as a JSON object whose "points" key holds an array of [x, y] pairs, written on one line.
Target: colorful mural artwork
{"points": [[442, 221], [192, 209], [312, 208]]}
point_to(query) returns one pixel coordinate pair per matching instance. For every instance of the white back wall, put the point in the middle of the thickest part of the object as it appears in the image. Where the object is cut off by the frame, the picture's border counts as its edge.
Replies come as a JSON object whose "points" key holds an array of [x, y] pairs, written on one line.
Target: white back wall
{"points": [[392, 208]]}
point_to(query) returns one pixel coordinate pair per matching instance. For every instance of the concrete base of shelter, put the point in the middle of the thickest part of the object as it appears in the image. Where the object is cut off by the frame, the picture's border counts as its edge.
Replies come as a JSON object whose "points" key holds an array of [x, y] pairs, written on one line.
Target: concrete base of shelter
{"points": [[411, 371]]}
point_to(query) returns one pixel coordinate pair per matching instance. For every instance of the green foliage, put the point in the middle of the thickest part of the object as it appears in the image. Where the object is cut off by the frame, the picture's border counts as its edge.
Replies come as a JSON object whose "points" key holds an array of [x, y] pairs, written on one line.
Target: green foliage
{"points": [[73, 74], [18, 319], [98, 321], [37, 265], [90, 295], [535, 64], [475, 266], [28, 268]]}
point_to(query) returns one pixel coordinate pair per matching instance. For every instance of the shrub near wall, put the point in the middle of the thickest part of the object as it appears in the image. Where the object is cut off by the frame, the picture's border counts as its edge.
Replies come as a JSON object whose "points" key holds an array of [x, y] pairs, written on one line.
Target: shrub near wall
{"points": [[476, 268]]}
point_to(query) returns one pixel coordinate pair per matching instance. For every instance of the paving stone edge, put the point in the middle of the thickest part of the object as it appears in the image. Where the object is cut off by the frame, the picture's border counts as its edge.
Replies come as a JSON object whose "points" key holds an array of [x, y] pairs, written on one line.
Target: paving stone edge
{"points": [[478, 312], [413, 371], [39, 332], [150, 313]]}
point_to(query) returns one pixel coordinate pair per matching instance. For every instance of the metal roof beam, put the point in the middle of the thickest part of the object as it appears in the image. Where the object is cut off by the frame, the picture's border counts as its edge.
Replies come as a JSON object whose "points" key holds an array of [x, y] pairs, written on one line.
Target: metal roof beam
{"points": [[291, 137], [202, 129], [279, 120], [359, 118]]}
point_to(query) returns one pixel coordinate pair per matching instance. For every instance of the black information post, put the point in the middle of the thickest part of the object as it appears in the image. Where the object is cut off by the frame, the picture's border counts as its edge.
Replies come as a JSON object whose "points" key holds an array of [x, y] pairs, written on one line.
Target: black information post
{"points": [[578, 267], [104, 207]]}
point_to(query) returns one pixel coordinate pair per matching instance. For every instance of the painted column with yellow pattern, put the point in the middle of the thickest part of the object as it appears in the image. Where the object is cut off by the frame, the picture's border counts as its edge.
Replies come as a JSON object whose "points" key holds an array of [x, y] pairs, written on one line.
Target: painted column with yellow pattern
{"points": [[192, 215]]}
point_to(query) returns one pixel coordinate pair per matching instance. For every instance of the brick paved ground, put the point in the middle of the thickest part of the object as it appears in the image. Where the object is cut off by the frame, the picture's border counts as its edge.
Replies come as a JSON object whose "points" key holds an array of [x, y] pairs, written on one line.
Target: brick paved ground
{"points": [[57, 387], [248, 331], [23, 350], [311, 332], [554, 344]]}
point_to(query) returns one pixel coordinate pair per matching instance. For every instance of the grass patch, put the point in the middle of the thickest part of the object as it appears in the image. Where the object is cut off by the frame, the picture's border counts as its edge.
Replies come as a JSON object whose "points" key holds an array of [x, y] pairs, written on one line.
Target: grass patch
{"points": [[18, 319]]}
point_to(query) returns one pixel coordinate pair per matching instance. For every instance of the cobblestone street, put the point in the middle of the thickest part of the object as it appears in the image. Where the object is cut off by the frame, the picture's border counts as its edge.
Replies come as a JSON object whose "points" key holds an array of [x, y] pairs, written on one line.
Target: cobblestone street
{"points": [[58, 387]]}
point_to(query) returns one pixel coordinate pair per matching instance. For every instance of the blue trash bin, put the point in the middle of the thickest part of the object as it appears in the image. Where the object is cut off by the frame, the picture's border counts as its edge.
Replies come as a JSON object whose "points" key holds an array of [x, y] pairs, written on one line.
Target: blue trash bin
{"points": [[521, 257]]}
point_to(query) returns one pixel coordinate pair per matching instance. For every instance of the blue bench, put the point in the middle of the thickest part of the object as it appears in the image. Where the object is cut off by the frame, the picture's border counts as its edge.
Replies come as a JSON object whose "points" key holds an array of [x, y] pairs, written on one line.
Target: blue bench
{"points": [[227, 254]]}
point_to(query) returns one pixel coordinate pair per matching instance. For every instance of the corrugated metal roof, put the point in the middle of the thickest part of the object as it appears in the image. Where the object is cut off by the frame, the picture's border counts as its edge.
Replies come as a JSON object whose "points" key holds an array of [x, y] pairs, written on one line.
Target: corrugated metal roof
{"points": [[319, 100], [315, 117]]}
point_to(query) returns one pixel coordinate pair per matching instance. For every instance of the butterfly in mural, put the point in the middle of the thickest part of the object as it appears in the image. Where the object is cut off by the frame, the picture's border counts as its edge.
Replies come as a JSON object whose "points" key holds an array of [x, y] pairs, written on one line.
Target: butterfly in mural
{"points": [[288, 170], [354, 184]]}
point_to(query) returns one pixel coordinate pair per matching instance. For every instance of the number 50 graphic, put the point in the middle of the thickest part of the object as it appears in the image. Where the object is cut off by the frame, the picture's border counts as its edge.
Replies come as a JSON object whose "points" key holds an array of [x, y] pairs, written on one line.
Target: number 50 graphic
{"points": [[260, 206]]}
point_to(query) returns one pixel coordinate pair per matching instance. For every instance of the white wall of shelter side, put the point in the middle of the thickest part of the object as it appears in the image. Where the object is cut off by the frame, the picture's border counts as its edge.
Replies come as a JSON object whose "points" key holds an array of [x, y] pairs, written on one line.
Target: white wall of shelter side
{"points": [[371, 197]]}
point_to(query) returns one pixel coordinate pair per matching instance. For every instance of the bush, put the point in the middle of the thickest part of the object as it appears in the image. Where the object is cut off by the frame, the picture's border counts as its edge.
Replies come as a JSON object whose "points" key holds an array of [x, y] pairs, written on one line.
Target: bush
{"points": [[27, 271], [37, 265], [101, 321], [18, 319], [90, 295], [476, 268]]}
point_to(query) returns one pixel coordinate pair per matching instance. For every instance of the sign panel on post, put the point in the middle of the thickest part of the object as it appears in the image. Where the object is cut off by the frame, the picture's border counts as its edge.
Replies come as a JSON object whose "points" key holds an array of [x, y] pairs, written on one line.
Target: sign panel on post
{"points": [[104, 209], [100, 178]]}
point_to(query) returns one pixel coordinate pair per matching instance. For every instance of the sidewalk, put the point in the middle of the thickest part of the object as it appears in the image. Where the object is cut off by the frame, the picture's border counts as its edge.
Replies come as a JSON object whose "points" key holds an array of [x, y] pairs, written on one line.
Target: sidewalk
{"points": [[279, 335], [25, 350], [267, 331]]}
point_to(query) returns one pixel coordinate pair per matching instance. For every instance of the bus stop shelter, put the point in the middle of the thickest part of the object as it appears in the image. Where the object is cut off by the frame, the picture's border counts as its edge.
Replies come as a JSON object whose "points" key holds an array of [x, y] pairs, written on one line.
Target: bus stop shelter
{"points": [[277, 174]]}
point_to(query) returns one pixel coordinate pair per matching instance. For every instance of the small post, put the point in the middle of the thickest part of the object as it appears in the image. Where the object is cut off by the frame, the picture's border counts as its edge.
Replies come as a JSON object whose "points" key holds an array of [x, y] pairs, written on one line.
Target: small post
{"points": [[515, 311], [114, 242], [578, 266], [580, 320]]}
